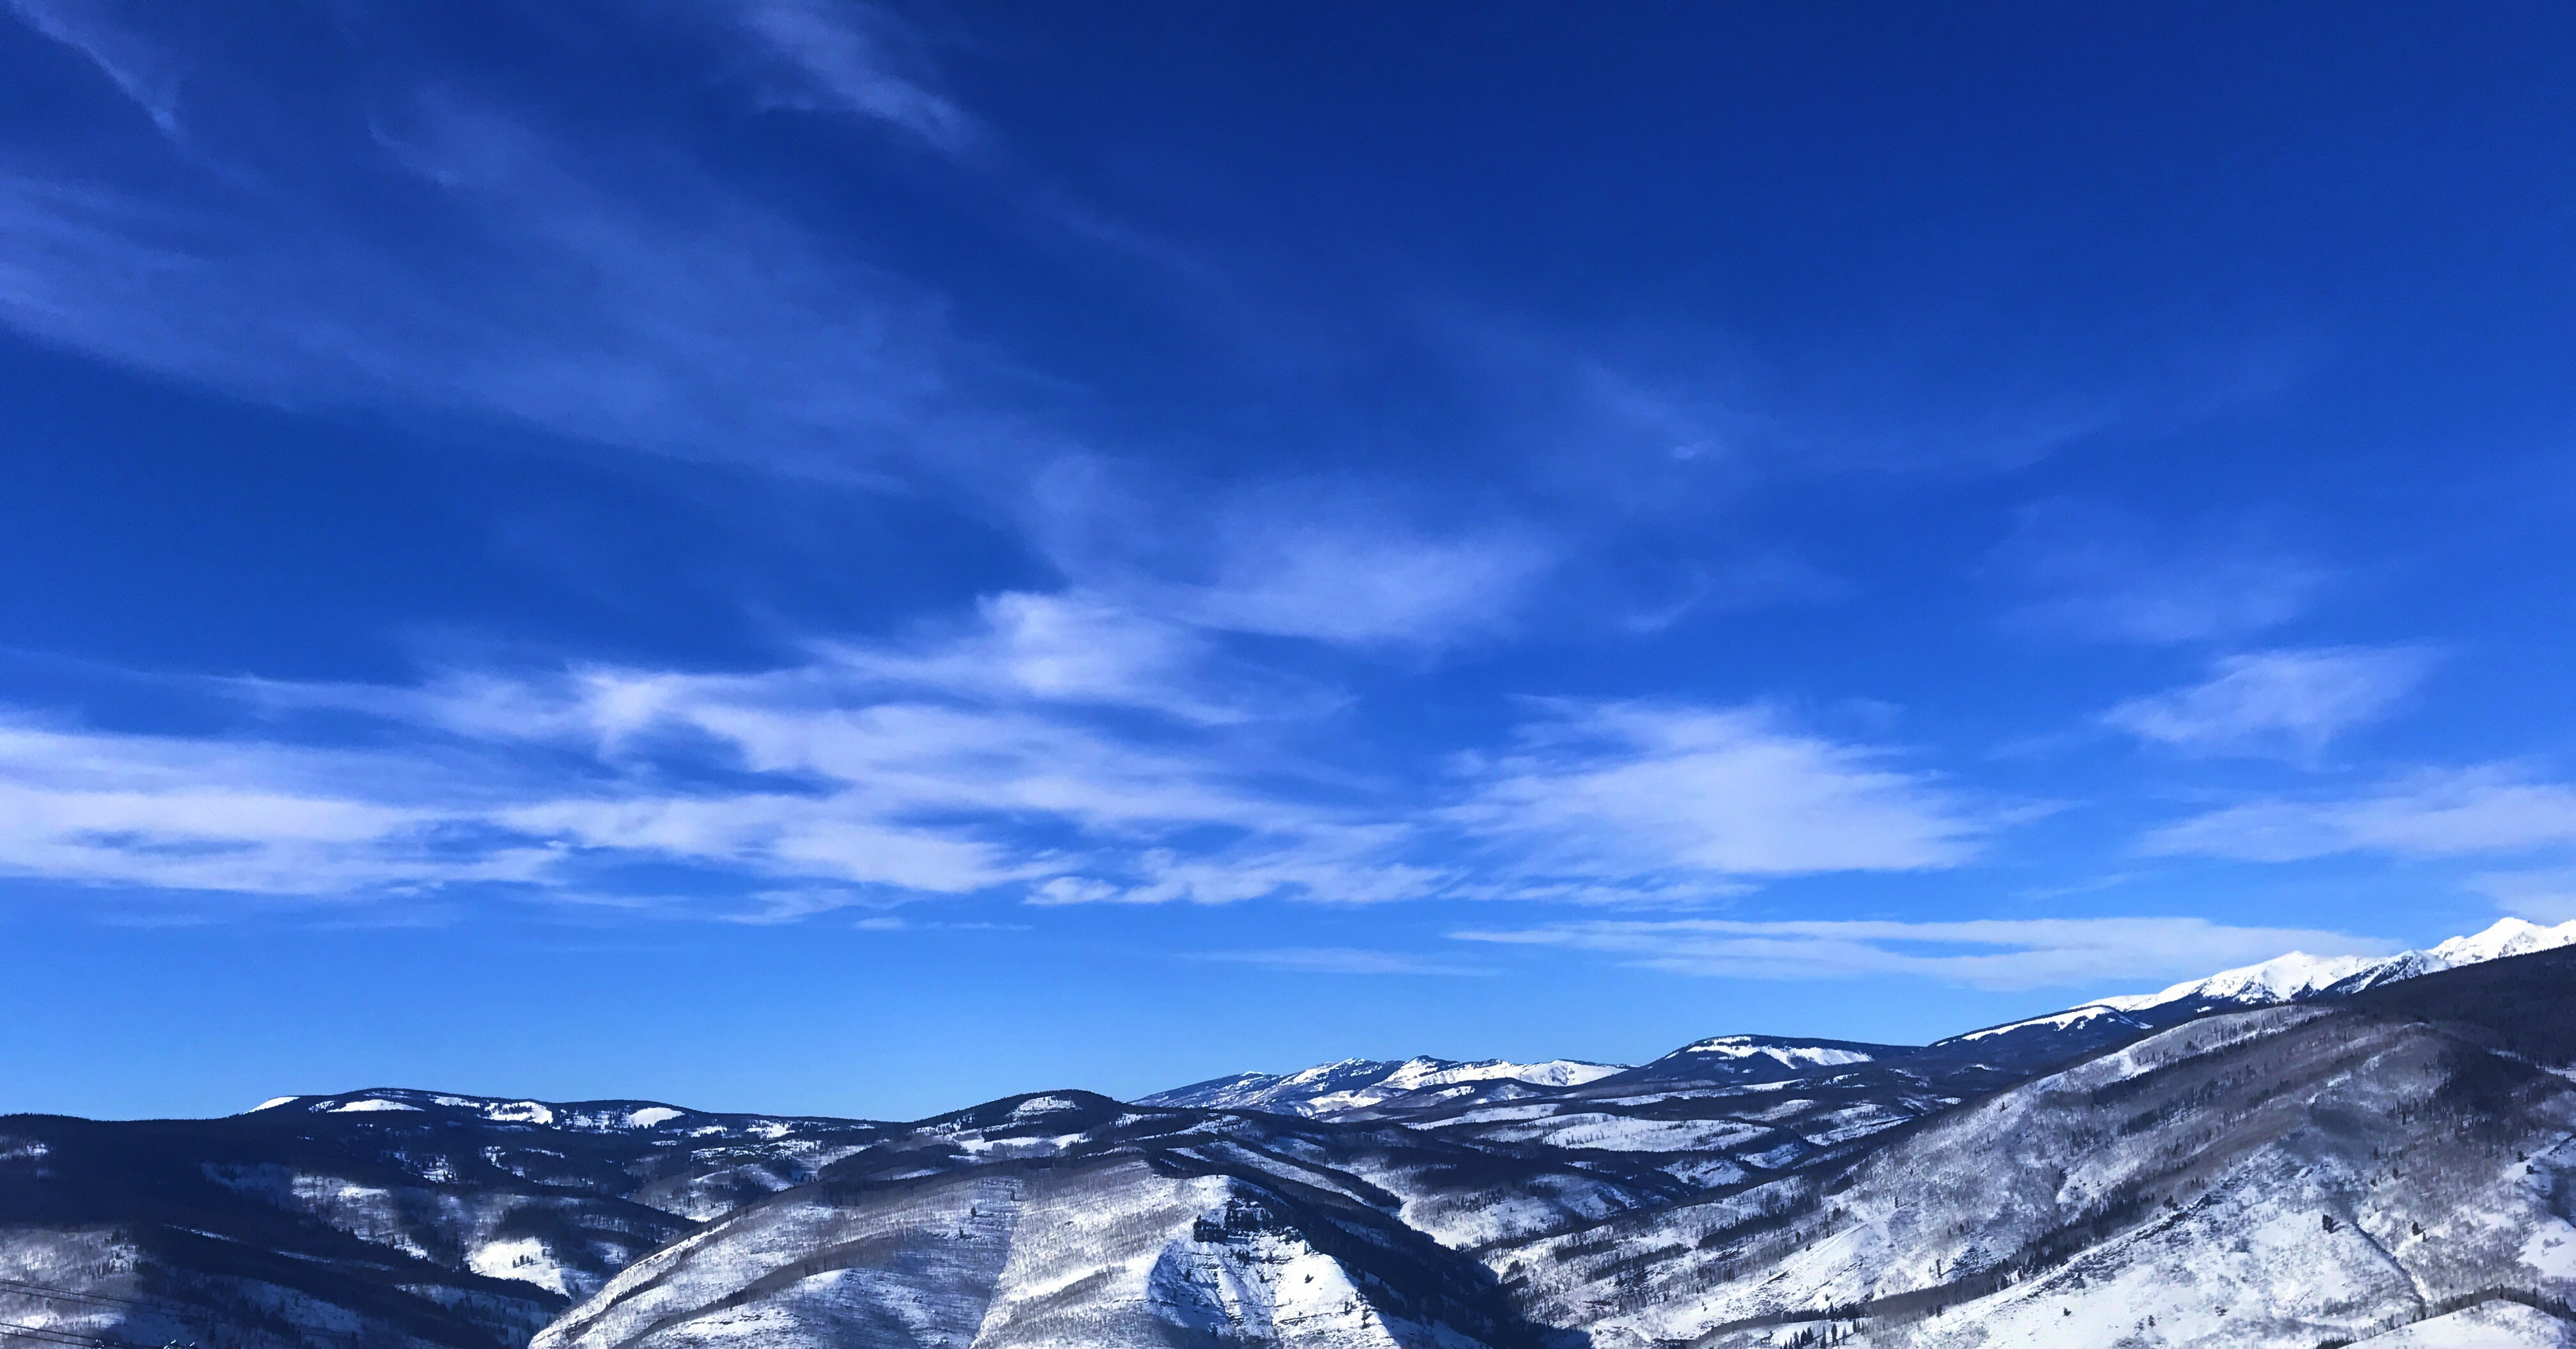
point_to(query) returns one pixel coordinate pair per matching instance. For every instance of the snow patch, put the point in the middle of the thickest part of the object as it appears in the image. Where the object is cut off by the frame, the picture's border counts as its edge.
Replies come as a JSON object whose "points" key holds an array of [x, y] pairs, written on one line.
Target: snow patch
{"points": [[368, 1106], [525, 1259], [1794, 1056], [2552, 1251], [2055, 1021]]}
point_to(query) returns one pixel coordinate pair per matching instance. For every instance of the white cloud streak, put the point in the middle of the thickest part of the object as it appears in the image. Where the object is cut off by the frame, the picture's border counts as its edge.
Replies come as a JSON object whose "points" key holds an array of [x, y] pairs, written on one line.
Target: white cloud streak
{"points": [[1057, 747], [504, 273], [148, 77], [844, 57], [1342, 960], [2098, 574], [185, 814], [2547, 896], [2287, 703], [2446, 813], [1644, 790], [1339, 581], [2002, 954]]}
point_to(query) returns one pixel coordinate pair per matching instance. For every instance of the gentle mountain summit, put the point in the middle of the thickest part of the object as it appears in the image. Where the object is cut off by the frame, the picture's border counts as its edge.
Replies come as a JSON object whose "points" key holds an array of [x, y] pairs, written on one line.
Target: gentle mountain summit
{"points": [[1352, 1084], [2299, 975]]}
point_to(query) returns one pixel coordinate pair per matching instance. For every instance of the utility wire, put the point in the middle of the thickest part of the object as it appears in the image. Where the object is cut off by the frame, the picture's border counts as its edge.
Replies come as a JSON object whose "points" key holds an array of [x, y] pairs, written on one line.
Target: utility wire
{"points": [[175, 1311], [81, 1295], [54, 1335]]}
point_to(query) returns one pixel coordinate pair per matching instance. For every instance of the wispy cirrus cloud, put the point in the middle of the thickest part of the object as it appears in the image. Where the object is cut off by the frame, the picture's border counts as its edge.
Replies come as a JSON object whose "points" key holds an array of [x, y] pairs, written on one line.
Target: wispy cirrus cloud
{"points": [[1053, 740], [2287, 703], [198, 814], [2492, 808], [1337, 580], [847, 56], [494, 267], [2089, 571], [662, 313], [1342, 559], [1649, 792], [2003, 954], [1057, 748], [147, 75], [1342, 960], [2543, 896]]}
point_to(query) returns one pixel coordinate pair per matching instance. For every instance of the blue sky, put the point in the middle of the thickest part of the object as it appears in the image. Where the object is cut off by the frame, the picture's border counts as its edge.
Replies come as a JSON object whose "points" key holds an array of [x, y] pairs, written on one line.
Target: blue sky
{"points": [[806, 556]]}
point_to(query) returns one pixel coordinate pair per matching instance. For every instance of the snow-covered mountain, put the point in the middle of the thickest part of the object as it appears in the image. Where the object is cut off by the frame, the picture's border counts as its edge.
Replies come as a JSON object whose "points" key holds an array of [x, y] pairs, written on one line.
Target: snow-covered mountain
{"points": [[1793, 1055], [1424, 1088], [2294, 977], [404, 1217], [1354, 1084], [2390, 1168], [2284, 1156], [2295, 1175], [2298, 975]]}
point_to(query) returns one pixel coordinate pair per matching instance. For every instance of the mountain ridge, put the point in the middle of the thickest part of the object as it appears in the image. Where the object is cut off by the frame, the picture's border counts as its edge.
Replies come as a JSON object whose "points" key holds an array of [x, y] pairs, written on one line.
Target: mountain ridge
{"points": [[2402, 1138], [1369, 1084]]}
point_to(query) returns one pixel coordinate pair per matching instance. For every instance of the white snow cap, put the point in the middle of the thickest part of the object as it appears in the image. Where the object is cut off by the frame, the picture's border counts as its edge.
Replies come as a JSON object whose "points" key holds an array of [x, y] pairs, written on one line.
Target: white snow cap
{"points": [[2298, 974], [2509, 937], [1356, 1084], [2091, 1011], [1754, 1046], [1417, 1073]]}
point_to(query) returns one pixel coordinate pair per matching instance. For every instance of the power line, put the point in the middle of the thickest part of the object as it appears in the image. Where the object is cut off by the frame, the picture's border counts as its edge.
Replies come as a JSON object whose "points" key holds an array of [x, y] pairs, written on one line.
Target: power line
{"points": [[81, 1295], [175, 1311], [56, 1335]]}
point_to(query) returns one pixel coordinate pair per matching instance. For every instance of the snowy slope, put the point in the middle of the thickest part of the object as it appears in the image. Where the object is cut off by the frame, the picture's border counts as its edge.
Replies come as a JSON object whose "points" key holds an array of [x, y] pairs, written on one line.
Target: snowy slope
{"points": [[2491, 1325], [2298, 975], [2104, 1023], [1434, 1092], [1118, 1253], [2384, 1164], [1067, 1219], [412, 1216], [693, 1163], [2277, 1177], [1358, 1084], [2379, 1151]]}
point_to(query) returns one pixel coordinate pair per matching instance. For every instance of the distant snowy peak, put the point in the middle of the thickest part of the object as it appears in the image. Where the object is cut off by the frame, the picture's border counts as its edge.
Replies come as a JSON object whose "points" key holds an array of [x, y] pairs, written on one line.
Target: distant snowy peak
{"points": [[1288, 1093], [1737, 1060], [1416, 1074], [2095, 1016], [2509, 937], [580, 1116], [2284, 978], [2298, 975], [1787, 1053], [1357, 1084]]}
